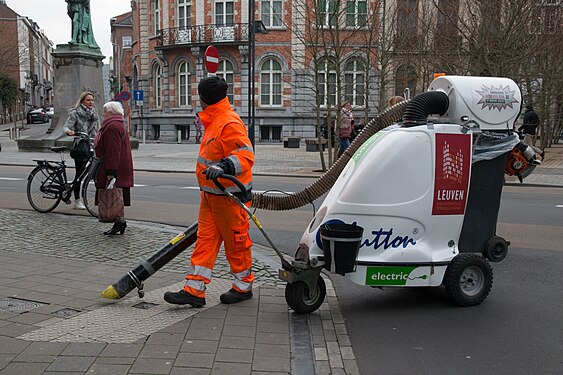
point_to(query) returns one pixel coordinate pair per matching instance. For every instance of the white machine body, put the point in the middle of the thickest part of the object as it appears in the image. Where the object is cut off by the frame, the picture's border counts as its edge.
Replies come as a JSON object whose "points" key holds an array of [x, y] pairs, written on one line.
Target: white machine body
{"points": [[486, 102], [408, 187]]}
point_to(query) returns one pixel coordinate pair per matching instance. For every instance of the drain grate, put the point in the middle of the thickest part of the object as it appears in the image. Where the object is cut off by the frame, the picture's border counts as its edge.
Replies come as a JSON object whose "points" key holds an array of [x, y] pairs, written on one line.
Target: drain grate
{"points": [[65, 313], [145, 305], [19, 305]]}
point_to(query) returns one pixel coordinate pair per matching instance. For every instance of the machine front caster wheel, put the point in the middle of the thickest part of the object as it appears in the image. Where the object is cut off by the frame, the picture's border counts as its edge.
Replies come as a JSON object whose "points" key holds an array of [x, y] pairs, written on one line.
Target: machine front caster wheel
{"points": [[298, 298], [468, 279], [496, 249]]}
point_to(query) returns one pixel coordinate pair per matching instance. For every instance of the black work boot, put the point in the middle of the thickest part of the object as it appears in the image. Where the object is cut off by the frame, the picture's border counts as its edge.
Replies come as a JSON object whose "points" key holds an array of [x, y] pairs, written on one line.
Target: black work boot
{"points": [[234, 296], [183, 298]]}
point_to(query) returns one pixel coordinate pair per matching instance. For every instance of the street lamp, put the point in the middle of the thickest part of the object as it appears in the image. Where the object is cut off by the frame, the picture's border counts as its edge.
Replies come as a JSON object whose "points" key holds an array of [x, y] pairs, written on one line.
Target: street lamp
{"points": [[254, 26]]}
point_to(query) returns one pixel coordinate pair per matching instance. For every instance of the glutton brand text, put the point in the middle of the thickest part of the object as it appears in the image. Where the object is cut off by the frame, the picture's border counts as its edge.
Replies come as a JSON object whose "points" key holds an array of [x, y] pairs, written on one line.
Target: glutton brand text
{"points": [[385, 239]]}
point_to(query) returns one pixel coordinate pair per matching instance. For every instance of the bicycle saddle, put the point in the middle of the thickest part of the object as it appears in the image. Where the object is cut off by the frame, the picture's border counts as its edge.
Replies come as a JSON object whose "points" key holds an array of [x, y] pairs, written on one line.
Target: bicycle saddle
{"points": [[58, 148]]}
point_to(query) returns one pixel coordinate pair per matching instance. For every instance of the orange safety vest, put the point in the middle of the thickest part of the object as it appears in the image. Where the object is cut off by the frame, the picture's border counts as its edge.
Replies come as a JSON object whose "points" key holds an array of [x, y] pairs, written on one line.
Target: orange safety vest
{"points": [[225, 136]]}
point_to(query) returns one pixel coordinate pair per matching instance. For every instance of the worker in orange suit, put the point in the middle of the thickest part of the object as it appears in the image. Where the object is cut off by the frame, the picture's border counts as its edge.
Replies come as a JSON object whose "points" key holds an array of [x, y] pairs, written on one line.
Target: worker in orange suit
{"points": [[225, 149]]}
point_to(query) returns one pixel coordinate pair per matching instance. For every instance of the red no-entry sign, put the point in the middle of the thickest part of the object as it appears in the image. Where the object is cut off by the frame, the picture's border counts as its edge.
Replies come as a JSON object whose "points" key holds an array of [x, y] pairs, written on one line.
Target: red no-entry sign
{"points": [[211, 59]]}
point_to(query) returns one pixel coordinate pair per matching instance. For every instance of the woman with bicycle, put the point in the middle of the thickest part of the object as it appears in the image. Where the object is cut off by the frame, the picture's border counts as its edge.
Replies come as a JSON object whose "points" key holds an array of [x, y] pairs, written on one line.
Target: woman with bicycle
{"points": [[83, 117], [115, 177]]}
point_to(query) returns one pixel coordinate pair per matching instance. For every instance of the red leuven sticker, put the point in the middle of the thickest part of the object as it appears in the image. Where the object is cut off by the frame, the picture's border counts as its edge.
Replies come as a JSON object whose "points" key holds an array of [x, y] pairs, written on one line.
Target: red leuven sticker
{"points": [[452, 167]]}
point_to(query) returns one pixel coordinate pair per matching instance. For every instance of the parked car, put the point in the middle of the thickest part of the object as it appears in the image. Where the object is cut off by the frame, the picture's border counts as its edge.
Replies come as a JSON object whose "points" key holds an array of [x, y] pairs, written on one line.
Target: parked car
{"points": [[37, 115], [51, 112]]}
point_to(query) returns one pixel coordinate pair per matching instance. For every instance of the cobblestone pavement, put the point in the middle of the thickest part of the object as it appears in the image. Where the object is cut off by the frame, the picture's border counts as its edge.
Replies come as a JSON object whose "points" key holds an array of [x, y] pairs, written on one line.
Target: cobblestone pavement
{"points": [[52, 319]]}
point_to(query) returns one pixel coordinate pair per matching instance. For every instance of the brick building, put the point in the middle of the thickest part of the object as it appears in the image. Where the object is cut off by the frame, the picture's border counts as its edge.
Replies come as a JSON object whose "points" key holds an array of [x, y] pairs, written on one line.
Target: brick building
{"points": [[295, 71], [25, 55]]}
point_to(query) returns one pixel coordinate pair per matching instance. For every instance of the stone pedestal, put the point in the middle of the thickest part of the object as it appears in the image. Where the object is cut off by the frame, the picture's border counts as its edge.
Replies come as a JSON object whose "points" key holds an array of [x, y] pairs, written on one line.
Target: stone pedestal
{"points": [[78, 68]]}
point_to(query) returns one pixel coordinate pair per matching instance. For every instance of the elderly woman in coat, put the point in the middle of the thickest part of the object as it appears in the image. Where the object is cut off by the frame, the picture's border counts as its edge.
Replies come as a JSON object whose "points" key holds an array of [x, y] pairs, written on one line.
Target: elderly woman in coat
{"points": [[112, 145]]}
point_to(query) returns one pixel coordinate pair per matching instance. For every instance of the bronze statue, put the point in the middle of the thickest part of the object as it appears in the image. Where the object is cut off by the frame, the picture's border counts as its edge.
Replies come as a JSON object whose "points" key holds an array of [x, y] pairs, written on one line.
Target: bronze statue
{"points": [[79, 13]]}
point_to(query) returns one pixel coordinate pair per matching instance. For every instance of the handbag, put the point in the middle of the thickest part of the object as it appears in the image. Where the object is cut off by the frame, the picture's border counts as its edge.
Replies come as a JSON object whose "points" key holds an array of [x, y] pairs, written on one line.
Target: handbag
{"points": [[80, 149], [110, 205]]}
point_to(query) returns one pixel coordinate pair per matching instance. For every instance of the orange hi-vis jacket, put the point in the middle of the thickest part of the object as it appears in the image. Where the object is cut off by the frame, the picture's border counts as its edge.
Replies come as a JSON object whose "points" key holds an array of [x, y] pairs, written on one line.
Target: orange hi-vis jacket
{"points": [[225, 136], [220, 220]]}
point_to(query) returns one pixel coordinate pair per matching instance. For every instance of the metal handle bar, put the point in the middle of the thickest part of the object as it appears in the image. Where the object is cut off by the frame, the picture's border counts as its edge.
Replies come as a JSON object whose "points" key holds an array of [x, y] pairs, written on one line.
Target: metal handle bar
{"points": [[286, 265], [233, 179]]}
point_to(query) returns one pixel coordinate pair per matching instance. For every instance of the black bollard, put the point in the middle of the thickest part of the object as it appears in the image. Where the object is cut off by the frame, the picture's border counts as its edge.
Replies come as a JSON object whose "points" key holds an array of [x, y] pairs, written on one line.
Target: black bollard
{"points": [[134, 278]]}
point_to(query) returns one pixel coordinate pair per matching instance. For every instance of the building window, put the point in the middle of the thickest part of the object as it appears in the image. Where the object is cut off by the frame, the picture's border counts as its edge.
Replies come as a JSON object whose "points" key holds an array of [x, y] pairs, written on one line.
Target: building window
{"points": [[405, 77], [224, 13], [271, 13], [447, 18], [271, 83], [356, 13], [184, 85], [126, 41], [156, 15], [225, 70], [327, 83], [157, 86], [184, 14], [355, 83], [406, 17], [327, 13]]}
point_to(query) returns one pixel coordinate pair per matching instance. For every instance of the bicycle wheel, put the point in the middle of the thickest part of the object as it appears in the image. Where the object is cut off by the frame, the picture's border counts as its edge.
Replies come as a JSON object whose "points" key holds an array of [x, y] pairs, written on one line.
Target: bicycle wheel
{"points": [[89, 196], [44, 189]]}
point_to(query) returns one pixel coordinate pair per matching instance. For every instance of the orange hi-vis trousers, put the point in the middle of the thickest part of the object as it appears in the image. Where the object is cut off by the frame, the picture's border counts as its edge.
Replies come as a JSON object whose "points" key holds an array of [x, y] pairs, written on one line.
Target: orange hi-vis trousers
{"points": [[220, 220]]}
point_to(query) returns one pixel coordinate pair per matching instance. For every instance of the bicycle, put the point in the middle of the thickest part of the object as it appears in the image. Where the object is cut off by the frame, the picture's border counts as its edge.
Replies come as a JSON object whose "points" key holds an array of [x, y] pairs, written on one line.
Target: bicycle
{"points": [[48, 185]]}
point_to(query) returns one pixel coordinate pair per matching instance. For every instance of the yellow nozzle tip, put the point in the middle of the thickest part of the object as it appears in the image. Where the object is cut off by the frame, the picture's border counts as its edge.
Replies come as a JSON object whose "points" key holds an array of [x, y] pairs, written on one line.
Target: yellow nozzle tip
{"points": [[110, 293]]}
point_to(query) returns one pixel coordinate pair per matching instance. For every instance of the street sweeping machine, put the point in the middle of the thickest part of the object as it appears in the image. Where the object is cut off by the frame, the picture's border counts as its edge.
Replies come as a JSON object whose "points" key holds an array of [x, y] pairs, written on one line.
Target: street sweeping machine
{"points": [[412, 203], [417, 203]]}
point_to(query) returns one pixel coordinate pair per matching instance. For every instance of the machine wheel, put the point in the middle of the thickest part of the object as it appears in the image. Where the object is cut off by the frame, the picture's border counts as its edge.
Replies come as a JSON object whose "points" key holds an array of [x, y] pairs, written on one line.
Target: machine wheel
{"points": [[297, 296], [468, 279], [496, 249]]}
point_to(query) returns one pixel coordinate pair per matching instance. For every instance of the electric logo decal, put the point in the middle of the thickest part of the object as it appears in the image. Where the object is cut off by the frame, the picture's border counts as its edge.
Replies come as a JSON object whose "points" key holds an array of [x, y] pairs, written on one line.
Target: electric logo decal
{"points": [[392, 275], [453, 154], [496, 97]]}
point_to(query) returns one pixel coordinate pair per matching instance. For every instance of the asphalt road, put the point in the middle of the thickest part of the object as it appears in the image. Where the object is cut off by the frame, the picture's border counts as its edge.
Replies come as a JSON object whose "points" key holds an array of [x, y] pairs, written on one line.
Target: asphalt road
{"points": [[517, 330]]}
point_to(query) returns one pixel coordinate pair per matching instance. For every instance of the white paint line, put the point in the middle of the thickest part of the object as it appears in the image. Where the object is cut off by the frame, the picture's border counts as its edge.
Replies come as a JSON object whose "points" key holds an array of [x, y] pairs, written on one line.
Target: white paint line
{"points": [[11, 179], [139, 185], [559, 205]]}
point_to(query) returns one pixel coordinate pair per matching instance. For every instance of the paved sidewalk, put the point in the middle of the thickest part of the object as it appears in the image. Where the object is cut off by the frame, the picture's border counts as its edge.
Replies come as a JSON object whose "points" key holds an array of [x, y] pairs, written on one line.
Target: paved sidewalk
{"points": [[53, 321]]}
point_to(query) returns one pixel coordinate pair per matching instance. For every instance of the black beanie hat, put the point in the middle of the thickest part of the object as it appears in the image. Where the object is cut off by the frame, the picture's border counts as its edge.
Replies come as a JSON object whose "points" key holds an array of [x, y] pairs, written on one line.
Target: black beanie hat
{"points": [[212, 89]]}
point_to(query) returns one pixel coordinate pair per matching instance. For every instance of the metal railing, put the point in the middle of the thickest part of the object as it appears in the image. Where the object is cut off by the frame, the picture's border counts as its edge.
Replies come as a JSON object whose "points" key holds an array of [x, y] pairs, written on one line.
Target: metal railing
{"points": [[202, 35]]}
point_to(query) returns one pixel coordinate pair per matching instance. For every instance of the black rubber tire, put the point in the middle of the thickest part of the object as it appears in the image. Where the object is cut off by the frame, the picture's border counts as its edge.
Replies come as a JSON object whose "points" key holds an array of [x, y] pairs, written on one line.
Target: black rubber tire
{"points": [[297, 296], [40, 197], [468, 279], [496, 249], [89, 196]]}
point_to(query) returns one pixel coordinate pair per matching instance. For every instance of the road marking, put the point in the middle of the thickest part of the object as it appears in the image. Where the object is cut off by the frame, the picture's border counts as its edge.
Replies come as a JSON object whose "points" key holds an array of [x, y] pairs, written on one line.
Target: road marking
{"points": [[11, 179], [139, 185], [559, 205]]}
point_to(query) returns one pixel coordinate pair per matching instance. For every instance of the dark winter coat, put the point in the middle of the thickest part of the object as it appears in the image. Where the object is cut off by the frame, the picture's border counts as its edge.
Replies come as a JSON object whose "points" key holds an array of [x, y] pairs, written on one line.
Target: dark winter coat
{"points": [[530, 122], [112, 144]]}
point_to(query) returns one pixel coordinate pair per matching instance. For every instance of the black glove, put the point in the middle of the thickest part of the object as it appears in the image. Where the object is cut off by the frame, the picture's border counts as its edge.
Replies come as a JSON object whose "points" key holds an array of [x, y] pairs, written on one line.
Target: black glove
{"points": [[213, 172]]}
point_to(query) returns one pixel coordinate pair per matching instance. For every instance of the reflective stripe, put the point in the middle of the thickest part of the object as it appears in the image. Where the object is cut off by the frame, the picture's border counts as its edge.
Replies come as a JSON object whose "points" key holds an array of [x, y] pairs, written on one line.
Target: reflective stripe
{"points": [[242, 274], [246, 148], [196, 284], [200, 271], [236, 162], [217, 191], [206, 162], [244, 287]]}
